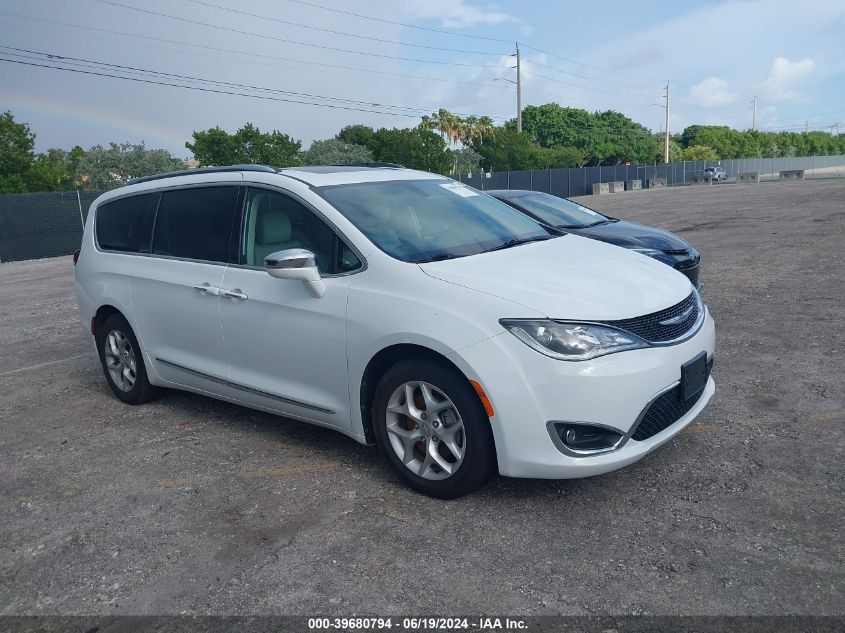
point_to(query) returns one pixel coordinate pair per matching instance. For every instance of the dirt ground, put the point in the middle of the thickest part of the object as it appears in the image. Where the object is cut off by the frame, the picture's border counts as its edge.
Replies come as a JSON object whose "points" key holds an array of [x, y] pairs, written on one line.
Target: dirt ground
{"points": [[189, 505]]}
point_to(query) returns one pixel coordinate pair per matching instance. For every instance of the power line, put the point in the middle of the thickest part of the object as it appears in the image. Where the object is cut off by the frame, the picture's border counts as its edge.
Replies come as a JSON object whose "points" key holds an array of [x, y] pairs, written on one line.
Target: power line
{"points": [[401, 76], [377, 39], [344, 33], [466, 35], [289, 41], [133, 69], [88, 63], [403, 24], [202, 89], [567, 83], [566, 72], [577, 63]]}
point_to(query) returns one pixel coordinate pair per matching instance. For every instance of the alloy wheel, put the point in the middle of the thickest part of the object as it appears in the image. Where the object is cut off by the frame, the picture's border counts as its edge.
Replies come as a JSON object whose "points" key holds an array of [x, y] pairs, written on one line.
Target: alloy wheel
{"points": [[120, 360], [425, 430]]}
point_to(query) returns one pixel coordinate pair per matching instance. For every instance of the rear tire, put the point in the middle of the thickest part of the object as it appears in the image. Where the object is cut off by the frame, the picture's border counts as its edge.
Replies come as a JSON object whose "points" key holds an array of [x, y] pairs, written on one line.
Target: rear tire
{"points": [[432, 429], [123, 362]]}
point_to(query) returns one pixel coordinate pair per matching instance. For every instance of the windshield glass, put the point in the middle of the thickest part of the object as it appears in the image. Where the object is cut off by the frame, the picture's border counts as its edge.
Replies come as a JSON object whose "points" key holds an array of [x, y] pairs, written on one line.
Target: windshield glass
{"points": [[426, 220], [558, 211]]}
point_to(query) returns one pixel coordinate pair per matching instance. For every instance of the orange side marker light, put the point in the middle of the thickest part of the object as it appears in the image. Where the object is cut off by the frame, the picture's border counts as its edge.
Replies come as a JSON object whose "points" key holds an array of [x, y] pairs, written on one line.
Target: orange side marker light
{"points": [[484, 399]]}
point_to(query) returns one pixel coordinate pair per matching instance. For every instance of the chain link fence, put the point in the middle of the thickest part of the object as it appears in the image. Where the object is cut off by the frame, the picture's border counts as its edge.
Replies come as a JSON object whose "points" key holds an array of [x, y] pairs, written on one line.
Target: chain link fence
{"points": [[36, 225], [578, 181], [48, 224]]}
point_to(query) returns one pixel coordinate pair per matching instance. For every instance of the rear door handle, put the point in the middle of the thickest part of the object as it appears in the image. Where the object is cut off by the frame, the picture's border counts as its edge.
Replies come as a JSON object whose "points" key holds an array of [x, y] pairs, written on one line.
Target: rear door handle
{"points": [[207, 289], [234, 294]]}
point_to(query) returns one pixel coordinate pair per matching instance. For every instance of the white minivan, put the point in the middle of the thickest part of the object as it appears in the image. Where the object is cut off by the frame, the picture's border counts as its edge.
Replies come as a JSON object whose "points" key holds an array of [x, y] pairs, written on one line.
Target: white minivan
{"points": [[400, 308]]}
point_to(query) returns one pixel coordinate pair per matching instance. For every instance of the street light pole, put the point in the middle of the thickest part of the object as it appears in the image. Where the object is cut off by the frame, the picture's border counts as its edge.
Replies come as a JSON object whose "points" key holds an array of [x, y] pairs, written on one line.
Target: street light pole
{"points": [[518, 91], [666, 138]]}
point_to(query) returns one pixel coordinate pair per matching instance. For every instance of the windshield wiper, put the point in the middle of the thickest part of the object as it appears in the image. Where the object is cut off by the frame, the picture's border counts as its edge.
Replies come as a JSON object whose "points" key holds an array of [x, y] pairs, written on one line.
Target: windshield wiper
{"points": [[517, 241], [605, 221], [438, 258]]}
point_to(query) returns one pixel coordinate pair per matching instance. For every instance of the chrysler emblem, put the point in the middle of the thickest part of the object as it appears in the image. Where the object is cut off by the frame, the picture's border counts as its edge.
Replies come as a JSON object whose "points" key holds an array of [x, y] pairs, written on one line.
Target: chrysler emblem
{"points": [[680, 318]]}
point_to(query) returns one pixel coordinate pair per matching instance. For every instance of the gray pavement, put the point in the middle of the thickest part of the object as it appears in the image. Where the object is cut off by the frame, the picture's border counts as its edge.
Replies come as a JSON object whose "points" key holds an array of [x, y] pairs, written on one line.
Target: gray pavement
{"points": [[192, 505]]}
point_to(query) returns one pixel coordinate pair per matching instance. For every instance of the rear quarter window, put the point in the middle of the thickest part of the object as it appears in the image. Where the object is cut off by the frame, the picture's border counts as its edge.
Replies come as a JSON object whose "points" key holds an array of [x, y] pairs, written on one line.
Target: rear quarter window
{"points": [[196, 223], [127, 224]]}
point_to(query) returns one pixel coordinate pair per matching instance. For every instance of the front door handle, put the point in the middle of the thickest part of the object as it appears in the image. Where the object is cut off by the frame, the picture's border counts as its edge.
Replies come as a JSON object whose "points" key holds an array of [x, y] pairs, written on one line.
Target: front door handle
{"points": [[207, 289], [234, 294]]}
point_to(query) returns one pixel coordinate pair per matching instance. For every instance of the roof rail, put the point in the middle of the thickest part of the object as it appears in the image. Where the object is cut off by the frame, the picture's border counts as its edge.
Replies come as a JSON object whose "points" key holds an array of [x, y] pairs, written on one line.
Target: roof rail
{"points": [[203, 170], [375, 164]]}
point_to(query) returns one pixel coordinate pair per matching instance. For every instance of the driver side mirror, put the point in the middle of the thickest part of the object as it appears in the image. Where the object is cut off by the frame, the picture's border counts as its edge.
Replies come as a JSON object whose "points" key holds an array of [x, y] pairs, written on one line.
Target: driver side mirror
{"points": [[296, 263]]}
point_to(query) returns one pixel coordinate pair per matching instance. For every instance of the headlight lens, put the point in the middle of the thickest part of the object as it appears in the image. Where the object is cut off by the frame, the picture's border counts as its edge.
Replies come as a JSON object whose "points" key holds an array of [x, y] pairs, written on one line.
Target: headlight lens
{"points": [[571, 341]]}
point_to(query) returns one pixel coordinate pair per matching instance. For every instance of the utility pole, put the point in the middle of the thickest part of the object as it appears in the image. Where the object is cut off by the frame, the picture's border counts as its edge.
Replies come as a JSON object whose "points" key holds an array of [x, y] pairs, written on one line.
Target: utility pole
{"points": [[518, 92], [754, 113], [666, 137], [806, 127]]}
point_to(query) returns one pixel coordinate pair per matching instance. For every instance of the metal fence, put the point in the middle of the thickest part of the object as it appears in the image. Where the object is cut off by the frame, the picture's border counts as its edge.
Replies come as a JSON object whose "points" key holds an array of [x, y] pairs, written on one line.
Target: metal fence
{"points": [[35, 225], [578, 181], [49, 224]]}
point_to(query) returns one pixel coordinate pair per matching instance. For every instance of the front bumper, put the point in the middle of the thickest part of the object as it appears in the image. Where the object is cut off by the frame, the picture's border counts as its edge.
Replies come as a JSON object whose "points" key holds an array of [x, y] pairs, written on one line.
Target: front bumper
{"points": [[528, 390]]}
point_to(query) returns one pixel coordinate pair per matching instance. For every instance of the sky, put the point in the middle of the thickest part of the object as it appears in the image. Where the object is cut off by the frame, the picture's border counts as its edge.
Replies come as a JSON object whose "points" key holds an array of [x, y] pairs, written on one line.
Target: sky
{"points": [[404, 58]]}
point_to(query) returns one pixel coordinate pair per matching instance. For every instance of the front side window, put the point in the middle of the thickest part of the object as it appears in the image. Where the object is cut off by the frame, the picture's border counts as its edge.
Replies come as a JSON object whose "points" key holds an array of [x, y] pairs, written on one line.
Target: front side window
{"points": [[425, 220], [126, 224], [196, 223], [558, 212], [276, 222]]}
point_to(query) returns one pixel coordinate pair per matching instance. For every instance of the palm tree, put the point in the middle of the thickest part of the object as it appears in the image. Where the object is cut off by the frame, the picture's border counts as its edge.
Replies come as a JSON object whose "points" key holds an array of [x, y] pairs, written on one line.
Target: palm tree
{"points": [[483, 126]]}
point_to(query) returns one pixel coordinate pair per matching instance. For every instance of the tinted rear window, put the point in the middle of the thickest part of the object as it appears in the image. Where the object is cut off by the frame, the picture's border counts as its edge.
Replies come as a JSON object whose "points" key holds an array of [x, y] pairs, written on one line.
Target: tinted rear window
{"points": [[127, 224], [196, 223]]}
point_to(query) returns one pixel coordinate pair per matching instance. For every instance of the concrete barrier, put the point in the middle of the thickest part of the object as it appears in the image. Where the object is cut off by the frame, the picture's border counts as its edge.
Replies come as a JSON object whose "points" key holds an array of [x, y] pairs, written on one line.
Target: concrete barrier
{"points": [[748, 177], [616, 186], [600, 188], [792, 174], [700, 179], [633, 185], [654, 183]]}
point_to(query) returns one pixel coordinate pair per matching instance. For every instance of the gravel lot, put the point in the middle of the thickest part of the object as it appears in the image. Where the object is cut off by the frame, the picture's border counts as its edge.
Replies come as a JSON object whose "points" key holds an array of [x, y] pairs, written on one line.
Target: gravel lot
{"points": [[192, 505]]}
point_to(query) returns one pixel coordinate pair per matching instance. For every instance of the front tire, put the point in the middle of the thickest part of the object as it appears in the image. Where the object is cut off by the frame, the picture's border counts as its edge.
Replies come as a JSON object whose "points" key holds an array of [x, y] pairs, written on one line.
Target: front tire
{"points": [[123, 362], [432, 429]]}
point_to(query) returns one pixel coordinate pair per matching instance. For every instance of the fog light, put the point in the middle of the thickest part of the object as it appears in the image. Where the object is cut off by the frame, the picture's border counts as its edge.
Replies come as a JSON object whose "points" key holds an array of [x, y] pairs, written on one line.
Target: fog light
{"points": [[584, 437]]}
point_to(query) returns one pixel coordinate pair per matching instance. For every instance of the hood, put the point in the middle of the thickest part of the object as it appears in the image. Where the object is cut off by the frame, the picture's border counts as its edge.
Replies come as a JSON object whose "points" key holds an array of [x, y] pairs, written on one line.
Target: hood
{"points": [[633, 235], [569, 277]]}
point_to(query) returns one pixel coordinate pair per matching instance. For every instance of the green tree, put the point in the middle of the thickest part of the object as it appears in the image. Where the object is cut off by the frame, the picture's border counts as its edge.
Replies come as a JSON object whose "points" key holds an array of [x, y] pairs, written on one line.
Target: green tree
{"points": [[506, 149], [414, 148], [359, 135], [16, 154], [699, 152], [334, 151], [109, 167], [248, 145], [465, 160], [54, 170]]}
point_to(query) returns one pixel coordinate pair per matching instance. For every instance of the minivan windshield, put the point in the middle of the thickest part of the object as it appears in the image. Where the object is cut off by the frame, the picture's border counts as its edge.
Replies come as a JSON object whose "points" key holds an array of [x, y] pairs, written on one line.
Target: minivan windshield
{"points": [[430, 220], [559, 212]]}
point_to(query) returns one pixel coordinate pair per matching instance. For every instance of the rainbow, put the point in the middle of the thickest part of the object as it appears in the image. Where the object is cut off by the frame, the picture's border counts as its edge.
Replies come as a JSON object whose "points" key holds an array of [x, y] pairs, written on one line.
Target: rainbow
{"points": [[125, 128]]}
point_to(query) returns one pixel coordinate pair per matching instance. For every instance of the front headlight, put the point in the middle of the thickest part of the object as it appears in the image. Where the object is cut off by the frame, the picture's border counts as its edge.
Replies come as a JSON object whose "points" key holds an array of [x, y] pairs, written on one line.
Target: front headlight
{"points": [[571, 341]]}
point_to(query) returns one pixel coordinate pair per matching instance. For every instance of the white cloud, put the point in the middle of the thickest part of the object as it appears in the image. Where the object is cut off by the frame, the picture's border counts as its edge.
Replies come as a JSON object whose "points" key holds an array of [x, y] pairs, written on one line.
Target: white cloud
{"points": [[785, 78], [712, 91], [457, 14]]}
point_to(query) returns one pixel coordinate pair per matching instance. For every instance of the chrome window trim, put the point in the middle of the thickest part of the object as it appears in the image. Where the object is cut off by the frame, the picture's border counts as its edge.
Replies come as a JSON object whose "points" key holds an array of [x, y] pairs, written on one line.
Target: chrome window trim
{"points": [[229, 383]]}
